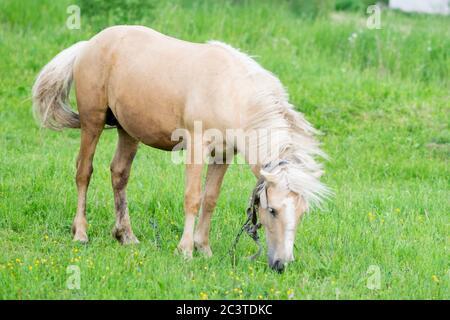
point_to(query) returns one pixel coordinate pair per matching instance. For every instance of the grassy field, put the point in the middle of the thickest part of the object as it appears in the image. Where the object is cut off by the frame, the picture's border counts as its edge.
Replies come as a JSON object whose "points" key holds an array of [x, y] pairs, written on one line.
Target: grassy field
{"points": [[381, 97]]}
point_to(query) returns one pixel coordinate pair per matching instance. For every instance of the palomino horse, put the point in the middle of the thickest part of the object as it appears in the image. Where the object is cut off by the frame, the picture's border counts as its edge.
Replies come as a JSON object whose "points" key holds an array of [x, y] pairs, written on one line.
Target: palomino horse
{"points": [[149, 85]]}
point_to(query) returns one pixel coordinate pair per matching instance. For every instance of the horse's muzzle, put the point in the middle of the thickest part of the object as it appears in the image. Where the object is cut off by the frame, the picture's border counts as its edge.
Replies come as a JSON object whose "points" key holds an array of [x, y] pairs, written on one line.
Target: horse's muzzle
{"points": [[277, 265]]}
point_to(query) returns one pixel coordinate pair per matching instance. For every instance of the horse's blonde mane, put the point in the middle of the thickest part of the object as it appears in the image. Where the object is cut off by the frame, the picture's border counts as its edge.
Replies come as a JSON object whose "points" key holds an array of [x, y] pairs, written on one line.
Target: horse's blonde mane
{"points": [[291, 136]]}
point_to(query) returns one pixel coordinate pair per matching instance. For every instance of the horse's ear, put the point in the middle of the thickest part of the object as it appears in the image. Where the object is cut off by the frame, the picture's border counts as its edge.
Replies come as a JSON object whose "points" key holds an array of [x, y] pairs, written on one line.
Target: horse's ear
{"points": [[268, 176], [302, 204], [263, 199]]}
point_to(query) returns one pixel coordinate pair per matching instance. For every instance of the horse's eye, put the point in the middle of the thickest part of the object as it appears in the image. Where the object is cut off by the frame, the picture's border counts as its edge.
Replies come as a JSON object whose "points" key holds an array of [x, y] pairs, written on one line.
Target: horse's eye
{"points": [[272, 211]]}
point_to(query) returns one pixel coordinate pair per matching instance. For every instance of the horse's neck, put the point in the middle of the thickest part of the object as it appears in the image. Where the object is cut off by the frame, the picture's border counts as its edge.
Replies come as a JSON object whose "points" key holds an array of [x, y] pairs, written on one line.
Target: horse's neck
{"points": [[270, 147]]}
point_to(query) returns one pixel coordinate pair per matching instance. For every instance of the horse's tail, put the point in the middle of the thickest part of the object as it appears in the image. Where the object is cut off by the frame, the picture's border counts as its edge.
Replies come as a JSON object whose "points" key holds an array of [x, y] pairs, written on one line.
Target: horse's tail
{"points": [[51, 91]]}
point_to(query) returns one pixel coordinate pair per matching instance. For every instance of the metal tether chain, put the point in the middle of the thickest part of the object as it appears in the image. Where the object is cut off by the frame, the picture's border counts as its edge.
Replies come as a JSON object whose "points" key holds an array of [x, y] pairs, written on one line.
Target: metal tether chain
{"points": [[250, 226]]}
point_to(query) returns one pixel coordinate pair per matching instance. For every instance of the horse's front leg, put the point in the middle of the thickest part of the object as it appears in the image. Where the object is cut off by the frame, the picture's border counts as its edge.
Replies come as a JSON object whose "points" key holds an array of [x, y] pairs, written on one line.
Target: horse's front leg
{"points": [[192, 198], [214, 178]]}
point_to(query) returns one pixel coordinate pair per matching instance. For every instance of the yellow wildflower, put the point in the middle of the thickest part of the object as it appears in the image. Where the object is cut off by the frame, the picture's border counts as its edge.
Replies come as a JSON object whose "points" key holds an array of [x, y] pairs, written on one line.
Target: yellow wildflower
{"points": [[371, 216], [203, 296], [290, 293], [435, 278]]}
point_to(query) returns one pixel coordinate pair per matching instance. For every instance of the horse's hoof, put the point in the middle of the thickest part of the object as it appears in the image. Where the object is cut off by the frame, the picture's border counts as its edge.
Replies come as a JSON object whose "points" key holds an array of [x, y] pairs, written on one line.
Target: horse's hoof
{"points": [[79, 232], [81, 237], [185, 253], [205, 250], [124, 237], [129, 240]]}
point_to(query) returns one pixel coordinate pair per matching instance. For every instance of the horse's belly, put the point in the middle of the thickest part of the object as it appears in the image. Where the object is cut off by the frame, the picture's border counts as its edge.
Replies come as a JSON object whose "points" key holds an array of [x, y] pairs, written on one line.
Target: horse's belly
{"points": [[158, 139], [152, 126]]}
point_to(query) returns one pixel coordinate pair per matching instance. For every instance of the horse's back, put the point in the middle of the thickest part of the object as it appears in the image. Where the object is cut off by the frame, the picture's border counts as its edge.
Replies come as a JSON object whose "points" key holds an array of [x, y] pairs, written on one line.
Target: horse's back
{"points": [[154, 83]]}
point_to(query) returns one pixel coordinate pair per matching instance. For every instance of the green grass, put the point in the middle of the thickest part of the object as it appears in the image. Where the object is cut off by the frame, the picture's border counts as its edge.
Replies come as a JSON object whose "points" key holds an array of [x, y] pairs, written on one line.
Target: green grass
{"points": [[382, 102]]}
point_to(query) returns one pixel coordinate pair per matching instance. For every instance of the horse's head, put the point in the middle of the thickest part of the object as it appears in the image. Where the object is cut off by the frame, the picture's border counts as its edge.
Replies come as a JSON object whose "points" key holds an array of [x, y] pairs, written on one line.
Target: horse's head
{"points": [[284, 193]]}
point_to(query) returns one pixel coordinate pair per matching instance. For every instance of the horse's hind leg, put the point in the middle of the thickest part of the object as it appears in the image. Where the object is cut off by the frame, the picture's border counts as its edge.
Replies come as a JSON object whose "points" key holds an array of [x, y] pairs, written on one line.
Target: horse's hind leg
{"points": [[90, 133], [120, 171]]}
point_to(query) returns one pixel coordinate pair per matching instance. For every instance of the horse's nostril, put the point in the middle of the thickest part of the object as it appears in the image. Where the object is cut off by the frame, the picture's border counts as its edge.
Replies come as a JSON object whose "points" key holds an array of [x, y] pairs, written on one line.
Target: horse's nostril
{"points": [[278, 266]]}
